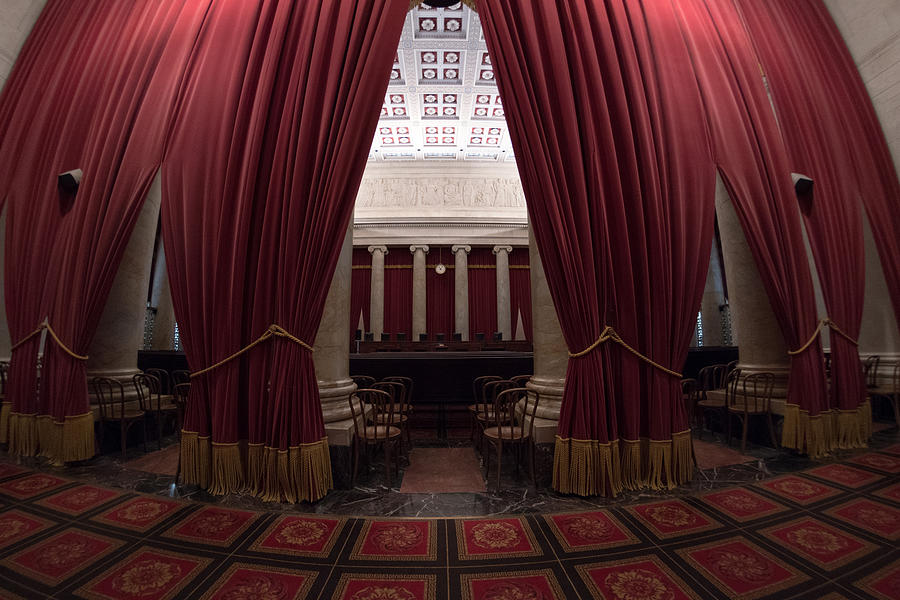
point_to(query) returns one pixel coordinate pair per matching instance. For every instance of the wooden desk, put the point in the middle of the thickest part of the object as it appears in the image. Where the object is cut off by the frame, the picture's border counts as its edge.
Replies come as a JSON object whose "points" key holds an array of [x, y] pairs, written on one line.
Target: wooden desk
{"points": [[432, 346]]}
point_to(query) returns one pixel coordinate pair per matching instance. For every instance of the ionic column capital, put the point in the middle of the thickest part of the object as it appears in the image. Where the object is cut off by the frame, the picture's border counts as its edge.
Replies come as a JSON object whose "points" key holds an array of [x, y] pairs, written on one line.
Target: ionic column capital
{"points": [[462, 247], [422, 247], [374, 249], [499, 249]]}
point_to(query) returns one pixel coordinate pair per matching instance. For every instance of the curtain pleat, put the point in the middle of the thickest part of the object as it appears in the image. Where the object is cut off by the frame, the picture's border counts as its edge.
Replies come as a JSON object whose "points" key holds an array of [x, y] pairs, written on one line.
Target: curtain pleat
{"points": [[398, 280], [520, 292], [360, 290], [482, 271], [439, 293]]}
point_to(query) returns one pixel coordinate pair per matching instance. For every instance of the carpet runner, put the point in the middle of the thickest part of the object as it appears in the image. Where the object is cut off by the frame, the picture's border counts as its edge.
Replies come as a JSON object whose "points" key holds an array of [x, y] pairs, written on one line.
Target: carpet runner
{"points": [[829, 532]]}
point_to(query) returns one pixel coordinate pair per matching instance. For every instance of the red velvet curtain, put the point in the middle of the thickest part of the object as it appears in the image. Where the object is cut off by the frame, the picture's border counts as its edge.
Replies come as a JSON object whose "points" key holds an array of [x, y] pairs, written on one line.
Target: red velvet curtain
{"points": [[440, 300], [398, 292], [482, 292], [619, 182], [97, 98], [520, 291], [755, 169], [259, 181], [832, 136], [360, 290]]}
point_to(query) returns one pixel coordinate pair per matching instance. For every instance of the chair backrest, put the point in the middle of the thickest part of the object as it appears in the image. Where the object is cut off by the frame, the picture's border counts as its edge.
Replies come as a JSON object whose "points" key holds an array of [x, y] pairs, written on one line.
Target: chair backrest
{"points": [[514, 410], [520, 380], [4, 367], [870, 369], [732, 381], [180, 394], [147, 387], [110, 396], [163, 377], [383, 410], [180, 376], [706, 378], [478, 386], [396, 389], [895, 379], [362, 381], [492, 389], [407, 384], [756, 392], [690, 394]]}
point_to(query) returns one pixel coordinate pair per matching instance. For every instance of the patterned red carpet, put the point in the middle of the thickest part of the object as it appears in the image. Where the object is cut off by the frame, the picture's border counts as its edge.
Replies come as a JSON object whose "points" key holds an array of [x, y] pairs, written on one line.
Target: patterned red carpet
{"points": [[830, 532]]}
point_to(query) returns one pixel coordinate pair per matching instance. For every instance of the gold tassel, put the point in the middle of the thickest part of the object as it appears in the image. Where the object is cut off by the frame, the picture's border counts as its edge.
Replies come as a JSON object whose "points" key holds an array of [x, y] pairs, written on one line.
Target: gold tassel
{"points": [[5, 409], [313, 469], [790, 431], [195, 459], [682, 457], [270, 491], [227, 470], [255, 468], [77, 437], [23, 434], [587, 467], [660, 465], [632, 478]]}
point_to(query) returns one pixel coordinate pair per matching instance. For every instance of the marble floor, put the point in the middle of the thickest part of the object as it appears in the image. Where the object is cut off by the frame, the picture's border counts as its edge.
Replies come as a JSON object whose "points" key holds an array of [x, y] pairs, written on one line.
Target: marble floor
{"points": [[718, 467]]}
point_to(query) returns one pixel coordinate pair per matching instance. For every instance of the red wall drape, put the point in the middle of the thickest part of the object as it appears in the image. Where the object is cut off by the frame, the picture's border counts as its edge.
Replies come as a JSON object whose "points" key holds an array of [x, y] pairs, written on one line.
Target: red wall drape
{"points": [[98, 98], [619, 183], [440, 293], [482, 292], [398, 292], [755, 169], [520, 291], [823, 118], [259, 181], [360, 290]]}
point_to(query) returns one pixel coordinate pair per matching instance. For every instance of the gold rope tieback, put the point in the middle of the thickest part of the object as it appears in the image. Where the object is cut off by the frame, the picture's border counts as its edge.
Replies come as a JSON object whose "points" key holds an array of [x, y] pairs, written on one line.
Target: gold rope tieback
{"points": [[59, 342], [610, 334], [272, 331], [826, 322]]}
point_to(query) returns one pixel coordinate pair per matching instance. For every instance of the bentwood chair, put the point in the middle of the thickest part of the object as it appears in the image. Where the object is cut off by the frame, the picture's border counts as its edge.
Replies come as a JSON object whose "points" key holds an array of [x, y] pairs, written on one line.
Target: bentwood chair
{"points": [[406, 406], [372, 435], [152, 401], [163, 376], [712, 378], [520, 380], [399, 418], [362, 381], [690, 395], [180, 376], [485, 415], [180, 395], [110, 396], [748, 397], [478, 404], [512, 424], [889, 390], [870, 370]]}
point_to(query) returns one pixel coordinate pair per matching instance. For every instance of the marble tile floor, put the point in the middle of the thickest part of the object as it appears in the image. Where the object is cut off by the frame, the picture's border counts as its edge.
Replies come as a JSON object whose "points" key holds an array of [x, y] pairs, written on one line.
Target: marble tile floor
{"points": [[371, 497]]}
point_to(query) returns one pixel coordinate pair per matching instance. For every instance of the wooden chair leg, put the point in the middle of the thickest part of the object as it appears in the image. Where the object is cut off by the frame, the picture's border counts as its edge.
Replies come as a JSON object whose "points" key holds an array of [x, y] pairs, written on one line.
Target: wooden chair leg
{"points": [[354, 461], [499, 461], [895, 402], [123, 434], [746, 420], [387, 461], [531, 464], [772, 431], [144, 426]]}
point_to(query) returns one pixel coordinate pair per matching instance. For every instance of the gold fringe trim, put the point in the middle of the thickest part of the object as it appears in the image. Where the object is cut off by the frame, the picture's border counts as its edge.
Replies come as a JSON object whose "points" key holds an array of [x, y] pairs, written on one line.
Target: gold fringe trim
{"points": [[586, 467], [590, 468], [829, 430], [298, 474], [60, 441], [5, 409]]}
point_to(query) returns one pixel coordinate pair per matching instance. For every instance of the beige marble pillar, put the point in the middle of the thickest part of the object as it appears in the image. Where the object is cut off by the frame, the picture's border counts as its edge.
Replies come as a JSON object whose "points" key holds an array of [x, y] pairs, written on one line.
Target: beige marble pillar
{"points": [[419, 304], [551, 355], [504, 316], [461, 289], [332, 352], [878, 334], [713, 299], [761, 346], [5, 342], [161, 300], [120, 333], [376, 299]]}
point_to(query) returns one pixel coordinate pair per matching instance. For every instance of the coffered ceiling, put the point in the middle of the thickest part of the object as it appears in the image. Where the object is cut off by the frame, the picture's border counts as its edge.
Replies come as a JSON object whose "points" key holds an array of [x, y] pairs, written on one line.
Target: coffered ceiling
{"points": [[442, 102]]}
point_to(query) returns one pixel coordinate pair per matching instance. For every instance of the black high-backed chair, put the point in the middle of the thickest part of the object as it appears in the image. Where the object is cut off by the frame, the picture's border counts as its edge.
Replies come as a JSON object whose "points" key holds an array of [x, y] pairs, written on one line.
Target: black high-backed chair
{"points": [[457, 337]]}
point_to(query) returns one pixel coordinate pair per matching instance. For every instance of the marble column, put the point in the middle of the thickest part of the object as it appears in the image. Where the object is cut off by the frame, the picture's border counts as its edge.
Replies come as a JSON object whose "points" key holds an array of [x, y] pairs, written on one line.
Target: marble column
{"points": [[504, 317], [761, 346], [713, 300], [551, 355], [461, 289], [879, 333], [332, 351], [161, 300], [419, 304], [5, 342], [120, 333], [376, 302]]}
